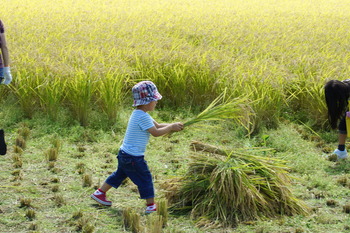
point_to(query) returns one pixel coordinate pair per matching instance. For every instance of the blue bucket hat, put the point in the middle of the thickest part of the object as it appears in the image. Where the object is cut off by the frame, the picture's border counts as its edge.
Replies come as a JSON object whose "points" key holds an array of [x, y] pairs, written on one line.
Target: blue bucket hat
{"points": [[144, 93]]}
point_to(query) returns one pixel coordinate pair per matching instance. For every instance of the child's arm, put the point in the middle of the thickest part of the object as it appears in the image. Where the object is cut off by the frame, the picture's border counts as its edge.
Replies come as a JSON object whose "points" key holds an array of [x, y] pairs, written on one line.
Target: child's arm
{"points": [[162, 129], [161, 125]]}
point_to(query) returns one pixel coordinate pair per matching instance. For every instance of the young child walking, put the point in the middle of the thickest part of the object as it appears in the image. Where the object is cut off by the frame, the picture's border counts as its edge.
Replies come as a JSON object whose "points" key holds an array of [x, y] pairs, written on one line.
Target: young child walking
{"points": [[131, 162]]}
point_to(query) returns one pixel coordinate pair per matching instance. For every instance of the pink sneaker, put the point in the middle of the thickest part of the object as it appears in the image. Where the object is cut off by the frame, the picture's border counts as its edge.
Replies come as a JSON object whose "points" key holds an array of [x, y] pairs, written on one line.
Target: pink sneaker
{"points": [[151, 208], [100, 197]]}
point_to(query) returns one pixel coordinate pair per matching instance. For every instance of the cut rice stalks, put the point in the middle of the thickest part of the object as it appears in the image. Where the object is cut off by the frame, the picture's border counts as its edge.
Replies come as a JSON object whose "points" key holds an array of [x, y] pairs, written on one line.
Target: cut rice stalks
{"points": [[222, 108], [237, 187]]}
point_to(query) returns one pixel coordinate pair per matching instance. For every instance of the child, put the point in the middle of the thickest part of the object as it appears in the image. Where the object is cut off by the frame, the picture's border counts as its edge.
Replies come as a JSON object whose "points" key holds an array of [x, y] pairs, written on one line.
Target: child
{"points": [[337, 94], [131, 161]]}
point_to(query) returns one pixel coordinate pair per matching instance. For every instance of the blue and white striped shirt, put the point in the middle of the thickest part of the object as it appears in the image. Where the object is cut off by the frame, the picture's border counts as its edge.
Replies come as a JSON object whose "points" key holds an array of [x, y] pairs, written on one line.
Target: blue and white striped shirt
{"points": [[137, 135]]}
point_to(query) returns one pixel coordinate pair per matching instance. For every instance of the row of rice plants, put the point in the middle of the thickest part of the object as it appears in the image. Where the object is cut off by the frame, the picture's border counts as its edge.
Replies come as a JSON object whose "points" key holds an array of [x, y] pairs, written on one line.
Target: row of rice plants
{"points": [[86, 55]]}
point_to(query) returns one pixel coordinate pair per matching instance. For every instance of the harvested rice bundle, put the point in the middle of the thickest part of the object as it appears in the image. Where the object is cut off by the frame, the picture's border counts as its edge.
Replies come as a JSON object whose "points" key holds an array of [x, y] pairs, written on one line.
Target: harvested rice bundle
{"points": [[237, 187], [223, 107]]}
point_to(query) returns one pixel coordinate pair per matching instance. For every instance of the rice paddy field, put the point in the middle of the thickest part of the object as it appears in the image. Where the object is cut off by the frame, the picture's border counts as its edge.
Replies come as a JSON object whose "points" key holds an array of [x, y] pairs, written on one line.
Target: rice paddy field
{"points": [[74, 62]]}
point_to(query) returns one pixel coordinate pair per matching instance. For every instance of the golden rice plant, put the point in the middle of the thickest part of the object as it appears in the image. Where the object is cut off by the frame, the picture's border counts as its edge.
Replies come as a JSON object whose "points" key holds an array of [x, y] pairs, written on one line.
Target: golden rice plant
{"points": [[82, 224], [191, 63], [181, 81], [25, 202], [23, 87], [222, 108], [88, 228], [17, 174], [33, 226], [306, 95], [59, 200], [81, 168], [268, 101], [51, 165], [24, 132], [111, 93], [17, 149], [4, 91], [162, 210], [51, 93], [346, 208], [21, 142], [55, 188], [17, 164], [78, 214], [51, 154], [343, 180], [16, 158], [241, 186], [17, 161], [30, 214], [155, 223], [80, 90], [55, 180], [87, 180], [56, 142], [131, 220]]}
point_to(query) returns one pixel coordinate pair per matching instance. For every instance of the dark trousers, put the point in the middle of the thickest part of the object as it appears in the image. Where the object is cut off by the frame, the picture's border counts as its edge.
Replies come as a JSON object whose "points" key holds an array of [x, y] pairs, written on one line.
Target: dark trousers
{"points": [[342, 126], [136, 168], [3, 147]]}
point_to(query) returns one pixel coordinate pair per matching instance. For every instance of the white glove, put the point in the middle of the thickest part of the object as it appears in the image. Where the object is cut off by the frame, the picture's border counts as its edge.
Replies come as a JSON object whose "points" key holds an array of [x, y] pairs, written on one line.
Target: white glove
{"points": [[7, 75]]}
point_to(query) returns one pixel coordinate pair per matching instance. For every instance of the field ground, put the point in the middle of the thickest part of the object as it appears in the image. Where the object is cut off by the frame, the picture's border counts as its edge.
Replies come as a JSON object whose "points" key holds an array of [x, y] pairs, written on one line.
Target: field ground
{"points": [[55, 190]]}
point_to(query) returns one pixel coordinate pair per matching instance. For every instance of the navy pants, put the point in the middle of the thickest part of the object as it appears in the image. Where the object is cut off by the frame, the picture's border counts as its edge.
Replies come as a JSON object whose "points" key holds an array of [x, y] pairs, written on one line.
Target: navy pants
{"points": [[136, 168]]}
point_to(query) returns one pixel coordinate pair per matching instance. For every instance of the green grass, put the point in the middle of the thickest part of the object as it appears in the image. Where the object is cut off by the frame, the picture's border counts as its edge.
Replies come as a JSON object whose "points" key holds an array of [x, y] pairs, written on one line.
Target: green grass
{"points": [[56, 190]]}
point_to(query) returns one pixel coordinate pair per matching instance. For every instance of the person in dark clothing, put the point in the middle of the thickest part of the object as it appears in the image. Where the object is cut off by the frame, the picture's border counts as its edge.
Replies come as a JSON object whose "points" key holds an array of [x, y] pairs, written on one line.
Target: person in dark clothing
{"points": [[337, 94]]}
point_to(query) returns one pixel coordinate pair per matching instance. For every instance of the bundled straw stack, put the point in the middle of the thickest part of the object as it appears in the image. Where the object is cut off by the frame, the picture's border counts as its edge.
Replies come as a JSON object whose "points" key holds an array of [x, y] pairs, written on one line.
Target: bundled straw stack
{"points": [[237, 187], [222, 108]]}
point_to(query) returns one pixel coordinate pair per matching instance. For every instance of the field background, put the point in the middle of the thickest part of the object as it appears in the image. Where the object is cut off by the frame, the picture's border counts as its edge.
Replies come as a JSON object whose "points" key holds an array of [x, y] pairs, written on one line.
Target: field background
{"points": [[74, 62], [280, 53]]}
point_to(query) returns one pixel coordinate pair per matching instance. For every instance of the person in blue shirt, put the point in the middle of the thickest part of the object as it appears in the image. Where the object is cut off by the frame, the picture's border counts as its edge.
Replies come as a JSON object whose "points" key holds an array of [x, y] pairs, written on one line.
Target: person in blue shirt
{"points": [[131, 162]]}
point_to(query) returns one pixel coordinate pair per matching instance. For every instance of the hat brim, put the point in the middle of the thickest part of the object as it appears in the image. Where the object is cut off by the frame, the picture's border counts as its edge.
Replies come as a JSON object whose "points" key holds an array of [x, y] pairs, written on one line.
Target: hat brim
{"points": [[147, 100]]}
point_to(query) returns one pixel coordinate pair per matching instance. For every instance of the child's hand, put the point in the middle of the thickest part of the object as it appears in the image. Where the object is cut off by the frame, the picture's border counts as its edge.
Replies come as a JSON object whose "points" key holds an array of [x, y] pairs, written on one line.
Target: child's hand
{"points": [[178, 126]]}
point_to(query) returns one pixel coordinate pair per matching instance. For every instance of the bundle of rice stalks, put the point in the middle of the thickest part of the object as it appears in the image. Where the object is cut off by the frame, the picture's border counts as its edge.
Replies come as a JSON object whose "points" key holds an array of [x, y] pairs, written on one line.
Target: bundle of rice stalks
{"points": [[237, 187], [222, 108]]}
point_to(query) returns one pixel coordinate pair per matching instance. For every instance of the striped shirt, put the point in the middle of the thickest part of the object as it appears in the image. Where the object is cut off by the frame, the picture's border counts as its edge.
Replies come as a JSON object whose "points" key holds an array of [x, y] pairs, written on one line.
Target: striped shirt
{"points": [[137, 135]]}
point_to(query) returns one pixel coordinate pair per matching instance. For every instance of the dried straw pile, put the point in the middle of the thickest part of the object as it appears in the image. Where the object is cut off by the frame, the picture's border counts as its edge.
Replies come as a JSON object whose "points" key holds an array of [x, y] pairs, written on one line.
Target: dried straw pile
{"points": [[236, 186]]}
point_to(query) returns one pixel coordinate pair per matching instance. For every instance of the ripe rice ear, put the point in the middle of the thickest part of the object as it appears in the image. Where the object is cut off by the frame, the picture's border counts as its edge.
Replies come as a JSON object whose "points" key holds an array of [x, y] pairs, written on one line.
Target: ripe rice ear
{"points": [[111, 93], [223, 107]]}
